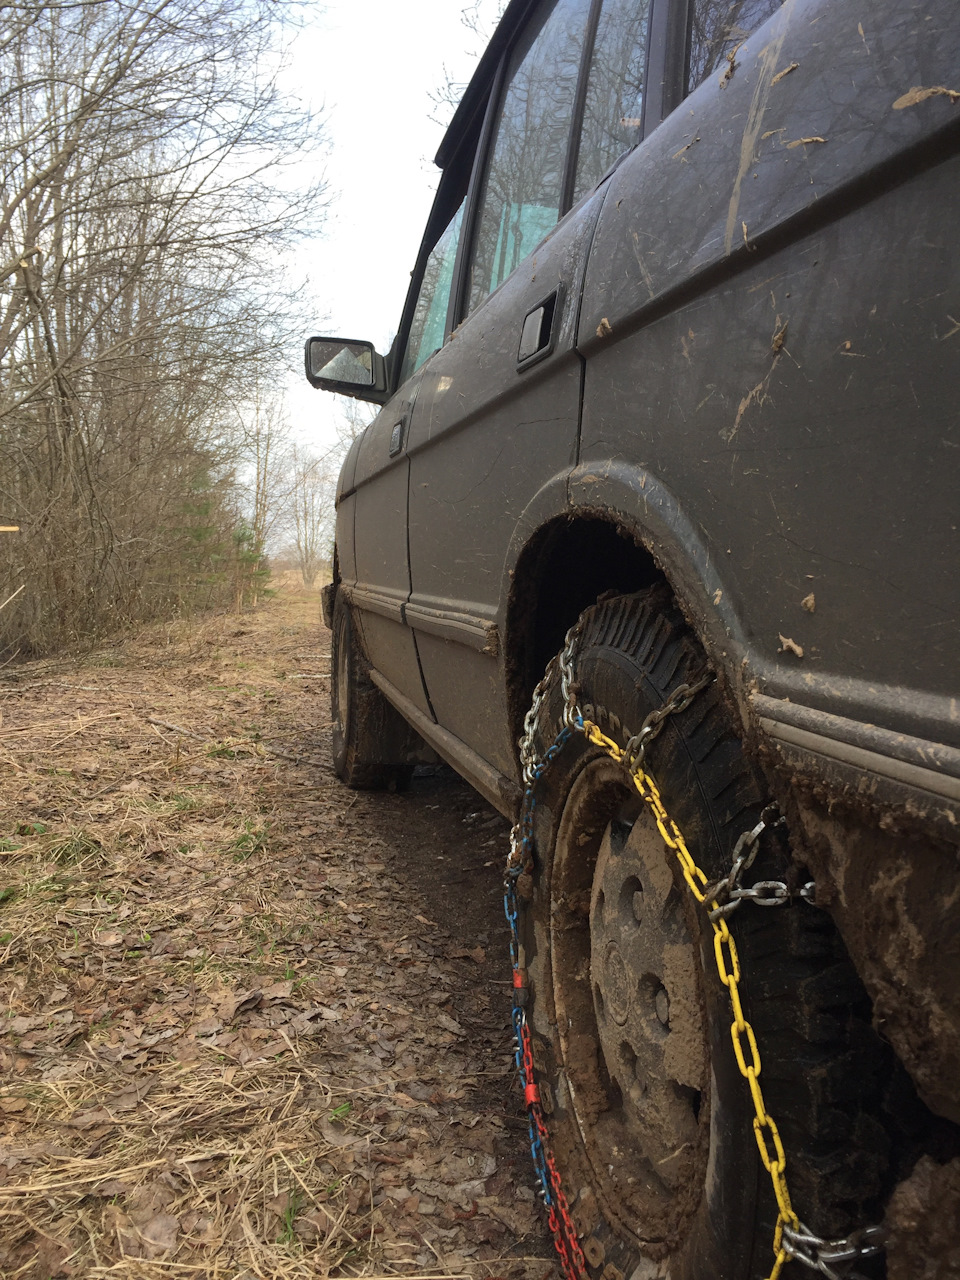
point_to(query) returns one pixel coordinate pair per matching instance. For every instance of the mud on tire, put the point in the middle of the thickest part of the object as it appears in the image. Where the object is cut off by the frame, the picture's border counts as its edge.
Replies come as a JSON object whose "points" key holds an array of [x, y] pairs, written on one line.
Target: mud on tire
{"points": [[649, 1118]]}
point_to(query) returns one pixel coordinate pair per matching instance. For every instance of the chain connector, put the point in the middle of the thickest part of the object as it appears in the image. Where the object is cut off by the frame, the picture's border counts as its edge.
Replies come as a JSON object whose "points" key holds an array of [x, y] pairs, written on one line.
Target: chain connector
{"points": [[833, 1258]]}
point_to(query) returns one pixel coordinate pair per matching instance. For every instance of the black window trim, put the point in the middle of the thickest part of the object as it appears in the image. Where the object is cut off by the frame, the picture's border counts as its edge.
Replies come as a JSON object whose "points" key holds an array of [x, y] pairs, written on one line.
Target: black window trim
{"points": [[445, 205], [471, 212], [667, 55], [579, 102]]}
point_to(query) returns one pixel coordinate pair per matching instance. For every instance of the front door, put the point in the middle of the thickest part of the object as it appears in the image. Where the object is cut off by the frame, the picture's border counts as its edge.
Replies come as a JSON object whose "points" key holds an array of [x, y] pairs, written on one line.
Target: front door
{"points": [[497, 417]]}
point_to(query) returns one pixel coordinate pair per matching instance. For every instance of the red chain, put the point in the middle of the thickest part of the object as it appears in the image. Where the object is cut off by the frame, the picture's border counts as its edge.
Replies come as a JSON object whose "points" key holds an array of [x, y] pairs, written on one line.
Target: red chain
{"points": [[575, 1265], [562, 1228]]}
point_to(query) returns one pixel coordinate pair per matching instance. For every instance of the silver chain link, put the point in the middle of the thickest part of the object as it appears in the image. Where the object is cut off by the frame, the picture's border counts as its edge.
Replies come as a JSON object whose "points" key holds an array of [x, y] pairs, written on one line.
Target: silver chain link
{"points": [[729, 893], [568, 685], [528, 742], [834, 1258], [679, 700]]}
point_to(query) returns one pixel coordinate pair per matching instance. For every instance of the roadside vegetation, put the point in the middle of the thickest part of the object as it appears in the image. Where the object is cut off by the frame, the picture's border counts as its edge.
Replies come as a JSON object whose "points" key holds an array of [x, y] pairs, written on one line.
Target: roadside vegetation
{"points": [[146, 208]]}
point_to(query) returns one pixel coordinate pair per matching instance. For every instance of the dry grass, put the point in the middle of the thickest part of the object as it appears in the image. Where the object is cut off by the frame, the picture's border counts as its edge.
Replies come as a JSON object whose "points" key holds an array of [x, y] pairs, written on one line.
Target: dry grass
{"points": [[217, 1058]]}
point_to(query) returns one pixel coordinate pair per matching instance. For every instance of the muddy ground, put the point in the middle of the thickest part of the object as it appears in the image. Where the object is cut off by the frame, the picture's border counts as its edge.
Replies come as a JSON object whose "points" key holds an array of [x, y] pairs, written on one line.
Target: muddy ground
{"points": [[255, 1024]]}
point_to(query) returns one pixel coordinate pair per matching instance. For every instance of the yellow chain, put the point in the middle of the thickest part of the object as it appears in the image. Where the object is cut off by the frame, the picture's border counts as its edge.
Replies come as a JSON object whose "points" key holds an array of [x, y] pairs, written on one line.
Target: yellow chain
{"points": [[728, 967]]}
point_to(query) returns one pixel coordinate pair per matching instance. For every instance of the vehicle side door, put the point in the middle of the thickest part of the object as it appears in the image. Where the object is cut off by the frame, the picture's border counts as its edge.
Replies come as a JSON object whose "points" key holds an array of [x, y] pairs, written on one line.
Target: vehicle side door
{"points": [[778, 274], [372, 516], [496, 421], [379, 585]]}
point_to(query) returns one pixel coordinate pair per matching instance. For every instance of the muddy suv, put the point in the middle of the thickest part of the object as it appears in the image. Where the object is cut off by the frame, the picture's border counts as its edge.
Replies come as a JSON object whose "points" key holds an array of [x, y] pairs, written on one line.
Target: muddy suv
{"points": [[672, 417]]}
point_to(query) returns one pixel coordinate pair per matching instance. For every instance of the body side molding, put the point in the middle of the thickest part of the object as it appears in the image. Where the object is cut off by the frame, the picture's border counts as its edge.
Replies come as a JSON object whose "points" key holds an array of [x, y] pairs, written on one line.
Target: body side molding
{"points": [[503, 794]]}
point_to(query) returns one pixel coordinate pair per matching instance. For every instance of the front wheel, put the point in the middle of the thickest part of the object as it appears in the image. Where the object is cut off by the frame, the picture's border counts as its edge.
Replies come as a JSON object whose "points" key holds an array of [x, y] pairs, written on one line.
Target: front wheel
{"points": [[649, 1119]]}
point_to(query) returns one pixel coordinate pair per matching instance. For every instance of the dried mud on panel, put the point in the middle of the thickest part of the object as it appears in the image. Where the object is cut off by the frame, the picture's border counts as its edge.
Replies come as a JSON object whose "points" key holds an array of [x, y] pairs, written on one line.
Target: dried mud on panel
{"points": [[255, 1025]]}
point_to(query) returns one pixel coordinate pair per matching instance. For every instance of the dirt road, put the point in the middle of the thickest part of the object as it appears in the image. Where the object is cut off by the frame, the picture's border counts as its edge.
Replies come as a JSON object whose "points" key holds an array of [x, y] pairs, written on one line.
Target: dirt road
{"points": [[256, 1025]]}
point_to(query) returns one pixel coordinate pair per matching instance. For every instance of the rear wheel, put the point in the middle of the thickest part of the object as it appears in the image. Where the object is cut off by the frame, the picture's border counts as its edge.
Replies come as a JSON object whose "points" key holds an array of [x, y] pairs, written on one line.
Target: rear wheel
{"points": [[372, 743], [650, 1121]]}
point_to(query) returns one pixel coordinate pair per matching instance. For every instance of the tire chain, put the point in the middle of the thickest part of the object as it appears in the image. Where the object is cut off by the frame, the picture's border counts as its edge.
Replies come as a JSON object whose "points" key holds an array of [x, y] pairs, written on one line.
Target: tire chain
{"points": [[792, 1239]]}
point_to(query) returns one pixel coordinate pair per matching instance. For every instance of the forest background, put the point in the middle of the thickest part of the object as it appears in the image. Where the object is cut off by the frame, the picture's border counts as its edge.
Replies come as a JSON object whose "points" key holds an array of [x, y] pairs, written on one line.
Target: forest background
{"points": [[158, 184]]}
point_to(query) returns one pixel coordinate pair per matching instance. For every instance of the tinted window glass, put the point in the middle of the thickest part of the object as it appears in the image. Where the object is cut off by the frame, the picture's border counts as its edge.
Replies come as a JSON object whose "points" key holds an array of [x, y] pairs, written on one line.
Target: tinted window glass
{"points": [[718, 26], [614, 101], [430, 314], [524, 181]]}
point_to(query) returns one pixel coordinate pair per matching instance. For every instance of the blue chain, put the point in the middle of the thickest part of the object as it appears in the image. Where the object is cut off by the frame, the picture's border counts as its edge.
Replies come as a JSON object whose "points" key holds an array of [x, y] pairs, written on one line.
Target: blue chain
{"points": [[521, 852]]}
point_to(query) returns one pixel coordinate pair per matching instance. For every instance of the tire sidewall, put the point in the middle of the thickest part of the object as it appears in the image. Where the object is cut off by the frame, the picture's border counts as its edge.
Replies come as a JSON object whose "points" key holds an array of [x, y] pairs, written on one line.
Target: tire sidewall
{"points": [[342, 679]]}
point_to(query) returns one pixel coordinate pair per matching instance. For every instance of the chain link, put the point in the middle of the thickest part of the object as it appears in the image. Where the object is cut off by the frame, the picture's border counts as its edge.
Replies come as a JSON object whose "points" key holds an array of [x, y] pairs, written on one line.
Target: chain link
{"points": [[834, 1258], [721, 898], [679, 700]]}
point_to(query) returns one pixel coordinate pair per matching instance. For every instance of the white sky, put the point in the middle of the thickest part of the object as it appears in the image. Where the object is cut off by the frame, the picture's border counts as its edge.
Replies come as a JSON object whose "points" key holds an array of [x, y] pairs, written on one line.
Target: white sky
{"points": [[372, 65]]}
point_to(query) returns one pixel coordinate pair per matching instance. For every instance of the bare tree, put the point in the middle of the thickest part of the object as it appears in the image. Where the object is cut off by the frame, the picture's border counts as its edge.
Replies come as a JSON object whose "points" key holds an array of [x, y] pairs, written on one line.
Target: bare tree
{"points": [[355, 417], [311, 511], [143, 212], [271, 465], [479, 20]]}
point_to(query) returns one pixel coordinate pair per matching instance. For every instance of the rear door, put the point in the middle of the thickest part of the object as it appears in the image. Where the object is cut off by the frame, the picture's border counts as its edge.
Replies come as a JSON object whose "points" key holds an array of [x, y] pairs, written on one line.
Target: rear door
{"points": [[778, 270], [497, 416]]}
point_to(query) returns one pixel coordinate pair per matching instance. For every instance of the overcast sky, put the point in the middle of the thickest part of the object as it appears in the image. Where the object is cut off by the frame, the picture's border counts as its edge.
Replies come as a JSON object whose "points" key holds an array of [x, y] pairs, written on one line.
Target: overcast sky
{"points": [[373, 66]]}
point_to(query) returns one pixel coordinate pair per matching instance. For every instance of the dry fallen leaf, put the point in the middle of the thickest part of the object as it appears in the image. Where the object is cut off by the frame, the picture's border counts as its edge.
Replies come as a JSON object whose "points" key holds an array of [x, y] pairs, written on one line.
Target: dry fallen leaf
{"points": [[160, 1235], [277, 990], [88, 1119]]}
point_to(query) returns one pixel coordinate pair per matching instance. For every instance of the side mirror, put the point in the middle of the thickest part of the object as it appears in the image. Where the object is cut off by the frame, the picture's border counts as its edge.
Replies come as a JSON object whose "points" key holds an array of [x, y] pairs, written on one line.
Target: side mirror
{"points": [[347, 367]]}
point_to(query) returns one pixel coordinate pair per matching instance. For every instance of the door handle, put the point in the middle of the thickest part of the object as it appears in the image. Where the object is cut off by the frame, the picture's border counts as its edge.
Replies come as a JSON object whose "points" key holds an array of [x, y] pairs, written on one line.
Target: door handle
{"points": [[397, 436], [538, 332]]}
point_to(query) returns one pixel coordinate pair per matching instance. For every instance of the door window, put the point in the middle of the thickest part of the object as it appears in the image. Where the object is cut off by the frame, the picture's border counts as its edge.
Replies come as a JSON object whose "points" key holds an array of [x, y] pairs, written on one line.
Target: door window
{"points": [[614, 101], [717, 27], [523, 185], [430, 313]]}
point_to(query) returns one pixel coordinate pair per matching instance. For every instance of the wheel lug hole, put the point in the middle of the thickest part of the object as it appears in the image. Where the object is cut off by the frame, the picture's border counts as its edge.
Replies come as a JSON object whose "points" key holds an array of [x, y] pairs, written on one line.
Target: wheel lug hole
{"points": [[662, 1005]]}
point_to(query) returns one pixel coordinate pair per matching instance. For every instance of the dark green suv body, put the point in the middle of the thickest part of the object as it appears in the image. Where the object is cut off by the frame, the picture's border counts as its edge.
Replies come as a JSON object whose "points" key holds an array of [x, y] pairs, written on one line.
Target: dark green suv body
{"points": [[684, 335]]}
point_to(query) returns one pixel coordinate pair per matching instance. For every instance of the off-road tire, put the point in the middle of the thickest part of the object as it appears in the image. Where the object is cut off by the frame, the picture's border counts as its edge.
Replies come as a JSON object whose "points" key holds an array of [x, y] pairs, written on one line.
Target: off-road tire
{"points": [[821, 1062], [372, 743]]}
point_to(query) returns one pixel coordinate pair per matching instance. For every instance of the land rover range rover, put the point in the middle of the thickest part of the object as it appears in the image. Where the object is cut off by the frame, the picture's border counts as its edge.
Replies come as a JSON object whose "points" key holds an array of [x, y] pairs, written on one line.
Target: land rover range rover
{"points": [[675, 397]]}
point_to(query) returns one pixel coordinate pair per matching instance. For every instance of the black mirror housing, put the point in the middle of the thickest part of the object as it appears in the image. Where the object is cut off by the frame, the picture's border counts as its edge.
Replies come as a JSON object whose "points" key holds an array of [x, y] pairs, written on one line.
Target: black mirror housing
{"points": [[347, 366]]}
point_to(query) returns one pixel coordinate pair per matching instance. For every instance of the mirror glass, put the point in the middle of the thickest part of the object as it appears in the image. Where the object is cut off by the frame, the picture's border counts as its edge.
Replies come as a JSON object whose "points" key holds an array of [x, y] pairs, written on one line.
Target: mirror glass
{"points": [[341, 361]]}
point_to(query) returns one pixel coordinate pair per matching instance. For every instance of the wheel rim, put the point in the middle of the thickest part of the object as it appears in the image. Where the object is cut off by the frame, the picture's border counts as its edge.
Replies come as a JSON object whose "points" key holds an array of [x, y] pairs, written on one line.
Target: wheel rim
{"points": [[629, 1007]]}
